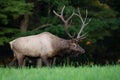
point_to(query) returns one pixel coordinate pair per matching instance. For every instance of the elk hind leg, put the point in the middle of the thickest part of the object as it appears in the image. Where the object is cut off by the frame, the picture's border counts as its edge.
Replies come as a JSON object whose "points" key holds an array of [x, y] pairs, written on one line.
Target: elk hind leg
{"points": [[12, 62], [20, 61]]}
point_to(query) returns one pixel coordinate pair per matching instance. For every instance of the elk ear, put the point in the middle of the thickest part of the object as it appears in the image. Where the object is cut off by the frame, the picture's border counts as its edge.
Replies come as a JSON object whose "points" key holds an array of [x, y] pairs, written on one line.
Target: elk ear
{"points": [[73, 41], [78, 40]]}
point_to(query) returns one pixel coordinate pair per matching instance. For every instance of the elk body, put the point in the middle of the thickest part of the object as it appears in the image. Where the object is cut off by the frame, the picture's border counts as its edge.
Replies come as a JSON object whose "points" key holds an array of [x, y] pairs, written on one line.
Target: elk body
{"points": [[46, 45]]}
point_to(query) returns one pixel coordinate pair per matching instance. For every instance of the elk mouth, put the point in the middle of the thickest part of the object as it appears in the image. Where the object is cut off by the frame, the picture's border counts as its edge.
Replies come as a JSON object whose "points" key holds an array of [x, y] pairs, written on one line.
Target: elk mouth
{"points": [[83, 52], [74, 54]]}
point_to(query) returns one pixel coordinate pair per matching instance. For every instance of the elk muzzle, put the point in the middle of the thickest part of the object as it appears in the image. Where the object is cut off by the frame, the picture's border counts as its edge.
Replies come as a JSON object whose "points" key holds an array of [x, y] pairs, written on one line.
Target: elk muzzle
{"points": [[81, 50], [77, 48]]}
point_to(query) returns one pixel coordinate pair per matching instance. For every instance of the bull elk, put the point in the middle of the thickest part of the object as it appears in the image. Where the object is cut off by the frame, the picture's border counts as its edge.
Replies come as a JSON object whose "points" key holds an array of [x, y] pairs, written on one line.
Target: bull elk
{"points": [[46, 45]]}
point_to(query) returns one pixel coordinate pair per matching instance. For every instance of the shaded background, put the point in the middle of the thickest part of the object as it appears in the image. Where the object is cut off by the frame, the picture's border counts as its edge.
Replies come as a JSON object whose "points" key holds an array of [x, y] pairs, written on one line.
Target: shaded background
{"points": [[27, 17]]}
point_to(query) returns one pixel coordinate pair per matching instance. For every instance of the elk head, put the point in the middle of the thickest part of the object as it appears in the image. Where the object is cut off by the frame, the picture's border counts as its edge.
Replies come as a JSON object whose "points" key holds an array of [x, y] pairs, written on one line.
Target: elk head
{"points": [[74, 46], [74, 42]]}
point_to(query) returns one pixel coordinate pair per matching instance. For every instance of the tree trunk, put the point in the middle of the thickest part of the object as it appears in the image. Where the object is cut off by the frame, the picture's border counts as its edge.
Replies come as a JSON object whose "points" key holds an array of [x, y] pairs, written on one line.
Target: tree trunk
{"points": [[24, 23], [49, 9]]}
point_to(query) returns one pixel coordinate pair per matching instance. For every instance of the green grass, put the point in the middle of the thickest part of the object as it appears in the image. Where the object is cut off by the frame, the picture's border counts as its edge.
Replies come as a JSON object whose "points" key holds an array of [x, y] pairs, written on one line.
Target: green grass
{"points": [[62, 73]]}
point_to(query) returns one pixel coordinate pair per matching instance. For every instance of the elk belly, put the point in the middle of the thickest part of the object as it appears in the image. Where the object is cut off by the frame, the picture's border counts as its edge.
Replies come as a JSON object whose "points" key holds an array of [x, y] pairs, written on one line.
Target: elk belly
{"points": [[46, 46]]}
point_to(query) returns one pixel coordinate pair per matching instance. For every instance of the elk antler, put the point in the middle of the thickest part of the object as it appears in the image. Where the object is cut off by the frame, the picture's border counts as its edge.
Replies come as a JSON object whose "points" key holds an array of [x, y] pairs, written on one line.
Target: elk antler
{"points": [[66, 22], [84, 23]]}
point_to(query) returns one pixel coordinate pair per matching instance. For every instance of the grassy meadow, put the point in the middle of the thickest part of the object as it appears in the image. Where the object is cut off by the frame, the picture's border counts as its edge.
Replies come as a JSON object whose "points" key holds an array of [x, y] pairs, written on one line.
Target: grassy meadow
{"points": [[62, 73]]}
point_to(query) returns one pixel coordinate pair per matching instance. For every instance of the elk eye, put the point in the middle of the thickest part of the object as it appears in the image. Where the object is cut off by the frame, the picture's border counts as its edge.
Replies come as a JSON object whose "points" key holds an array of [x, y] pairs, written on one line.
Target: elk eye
{"points": [[74, 45]]}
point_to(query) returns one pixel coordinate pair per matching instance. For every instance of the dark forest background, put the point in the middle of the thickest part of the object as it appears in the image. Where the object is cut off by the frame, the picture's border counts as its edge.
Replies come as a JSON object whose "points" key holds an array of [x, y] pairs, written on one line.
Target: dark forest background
{"points": [[27, 17]]}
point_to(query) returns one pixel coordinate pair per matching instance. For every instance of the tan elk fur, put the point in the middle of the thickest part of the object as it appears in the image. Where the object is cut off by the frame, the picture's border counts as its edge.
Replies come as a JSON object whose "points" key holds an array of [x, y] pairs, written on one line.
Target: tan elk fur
{"points": [[41, 45]]}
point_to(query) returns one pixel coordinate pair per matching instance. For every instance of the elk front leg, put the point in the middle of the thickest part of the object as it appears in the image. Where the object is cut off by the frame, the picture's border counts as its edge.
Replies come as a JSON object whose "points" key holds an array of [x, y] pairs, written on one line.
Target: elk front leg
{"points": [[45, 60], [54, 60], [39, 62], [24, 61]]}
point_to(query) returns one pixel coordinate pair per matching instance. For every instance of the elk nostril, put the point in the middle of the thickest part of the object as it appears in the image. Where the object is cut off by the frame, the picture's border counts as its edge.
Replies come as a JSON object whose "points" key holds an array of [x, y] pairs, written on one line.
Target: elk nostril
{"points": [[83, 51]]}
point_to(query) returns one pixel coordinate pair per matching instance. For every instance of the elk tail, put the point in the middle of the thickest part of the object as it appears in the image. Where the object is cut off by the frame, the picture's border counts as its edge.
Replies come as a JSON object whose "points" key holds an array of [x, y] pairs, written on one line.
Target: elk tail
{"points": [[11, 42]]}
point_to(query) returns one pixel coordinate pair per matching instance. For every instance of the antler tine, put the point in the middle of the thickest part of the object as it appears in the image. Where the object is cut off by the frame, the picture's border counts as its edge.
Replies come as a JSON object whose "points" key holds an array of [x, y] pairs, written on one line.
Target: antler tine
{"points": [[88, 21], [79, 15], [82, 36], [70, 16], [86, 15], [62, 10], [66, 22], [83, 23], [60, 15]]}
